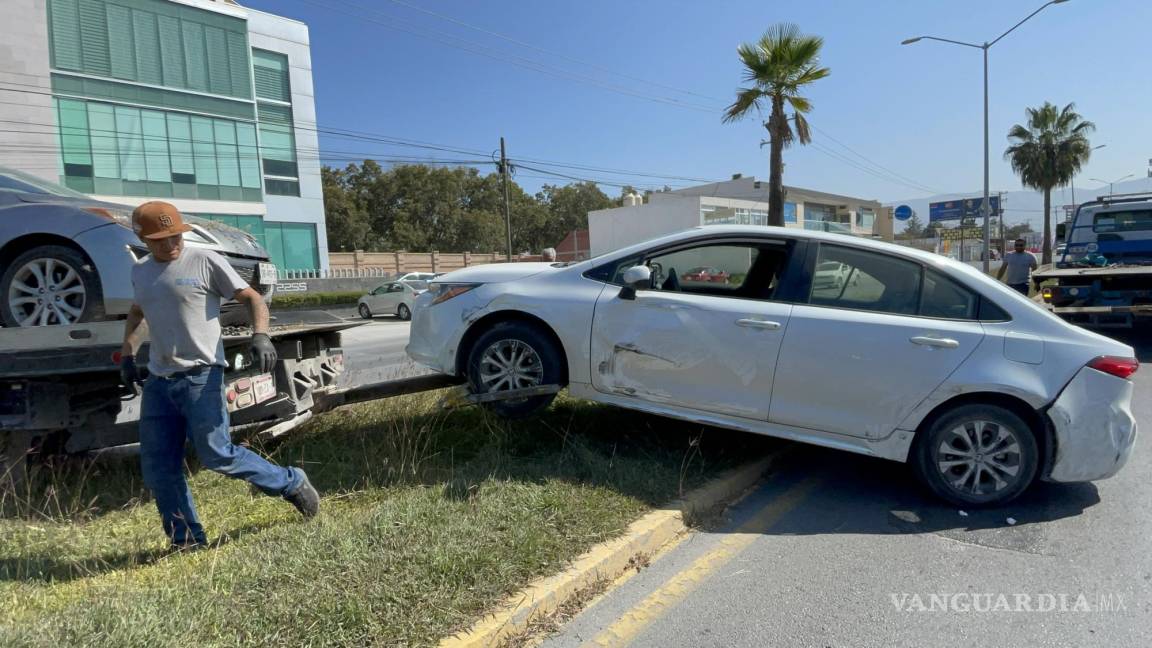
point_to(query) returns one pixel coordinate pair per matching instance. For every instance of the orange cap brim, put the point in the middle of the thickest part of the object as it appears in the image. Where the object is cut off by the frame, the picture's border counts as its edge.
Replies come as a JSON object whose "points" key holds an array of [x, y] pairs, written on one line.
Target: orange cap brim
{"points": [[172, 231]]}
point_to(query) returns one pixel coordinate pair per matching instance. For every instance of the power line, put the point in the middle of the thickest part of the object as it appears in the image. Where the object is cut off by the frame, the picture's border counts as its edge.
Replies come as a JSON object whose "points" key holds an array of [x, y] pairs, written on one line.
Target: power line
{"points": [[870, 161], [850, 162]]}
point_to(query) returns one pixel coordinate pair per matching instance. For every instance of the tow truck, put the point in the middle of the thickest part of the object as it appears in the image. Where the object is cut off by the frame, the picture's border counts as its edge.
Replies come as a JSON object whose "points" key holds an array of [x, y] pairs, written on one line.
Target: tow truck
{"points": [[1104, 277]]}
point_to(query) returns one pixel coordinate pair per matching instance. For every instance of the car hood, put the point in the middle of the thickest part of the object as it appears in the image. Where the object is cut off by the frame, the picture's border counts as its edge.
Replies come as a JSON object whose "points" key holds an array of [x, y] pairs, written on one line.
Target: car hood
{"points": [[209, 234], [495, 272]]}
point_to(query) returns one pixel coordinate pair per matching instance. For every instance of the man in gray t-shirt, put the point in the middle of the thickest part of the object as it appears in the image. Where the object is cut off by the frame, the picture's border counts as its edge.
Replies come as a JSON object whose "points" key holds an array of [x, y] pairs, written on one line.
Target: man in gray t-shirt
{"points": [[1018, 265], [178, 292]]}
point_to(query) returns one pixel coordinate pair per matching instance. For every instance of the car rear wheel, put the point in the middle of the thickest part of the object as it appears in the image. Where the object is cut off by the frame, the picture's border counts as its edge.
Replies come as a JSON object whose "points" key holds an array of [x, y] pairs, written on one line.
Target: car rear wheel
{"points": [[365, 312], [403, 312], [515, 355], [977, 455], [50, 285]]}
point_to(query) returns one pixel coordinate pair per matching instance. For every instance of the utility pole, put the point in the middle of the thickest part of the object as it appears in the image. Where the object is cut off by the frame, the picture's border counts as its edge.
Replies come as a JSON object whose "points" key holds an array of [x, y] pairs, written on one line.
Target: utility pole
{"points": [[507, 207]]}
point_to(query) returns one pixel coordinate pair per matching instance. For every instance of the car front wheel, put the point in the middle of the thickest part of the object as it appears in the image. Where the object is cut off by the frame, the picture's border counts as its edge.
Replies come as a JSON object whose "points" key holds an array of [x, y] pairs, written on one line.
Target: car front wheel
{"points": [[365, 312], [50, 285], [977, 455], [510, 356]]}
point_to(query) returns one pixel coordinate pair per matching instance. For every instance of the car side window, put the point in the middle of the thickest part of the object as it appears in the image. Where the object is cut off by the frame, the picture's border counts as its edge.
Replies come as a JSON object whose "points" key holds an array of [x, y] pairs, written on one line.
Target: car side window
{"points": [[740, 270], [396, 287], [381, 290], [944, 298], [863, 280]]}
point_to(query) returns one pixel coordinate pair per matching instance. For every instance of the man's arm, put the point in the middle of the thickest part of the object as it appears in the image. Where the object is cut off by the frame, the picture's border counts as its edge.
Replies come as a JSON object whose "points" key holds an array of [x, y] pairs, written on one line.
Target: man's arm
{"points": [[257, 309], [1033, 265], [1003, 267], [135, 328]]}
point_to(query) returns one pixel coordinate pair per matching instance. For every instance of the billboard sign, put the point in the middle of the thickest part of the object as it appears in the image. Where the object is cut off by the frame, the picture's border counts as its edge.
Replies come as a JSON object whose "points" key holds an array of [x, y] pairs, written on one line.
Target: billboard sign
{"points": [[960, 209], [972, 233]]}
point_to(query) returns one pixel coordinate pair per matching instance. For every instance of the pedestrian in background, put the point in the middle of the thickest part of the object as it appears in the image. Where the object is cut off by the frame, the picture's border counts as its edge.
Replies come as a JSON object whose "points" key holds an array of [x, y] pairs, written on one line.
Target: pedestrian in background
{"points": [[1018, 265], [178, 291]]}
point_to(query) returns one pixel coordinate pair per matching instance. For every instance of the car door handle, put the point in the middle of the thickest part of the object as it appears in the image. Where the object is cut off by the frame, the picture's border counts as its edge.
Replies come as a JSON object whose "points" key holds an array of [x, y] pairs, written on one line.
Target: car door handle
{"points": [[942, 343], [758, 324]]}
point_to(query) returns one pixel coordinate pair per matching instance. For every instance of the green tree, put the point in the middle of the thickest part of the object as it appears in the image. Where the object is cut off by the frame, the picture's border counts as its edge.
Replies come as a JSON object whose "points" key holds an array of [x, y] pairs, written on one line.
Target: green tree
{"points": [[1048, 152], [1013, 232], [778, 66], [347, 222], [914, 228], [568, 208]]}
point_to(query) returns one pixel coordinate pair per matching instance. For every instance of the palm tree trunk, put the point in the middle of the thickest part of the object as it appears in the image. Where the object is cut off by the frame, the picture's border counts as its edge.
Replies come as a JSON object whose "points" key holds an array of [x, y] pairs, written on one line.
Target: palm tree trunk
{"points": [[776, 126], [1046, 250]]}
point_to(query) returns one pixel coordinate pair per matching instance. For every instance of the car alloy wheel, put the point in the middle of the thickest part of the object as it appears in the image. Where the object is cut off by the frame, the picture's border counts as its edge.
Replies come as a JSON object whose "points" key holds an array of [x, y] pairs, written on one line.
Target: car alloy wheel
{"points": [[979, 457], [47, 291], [509, 364], [365, 312], [403, 312]]}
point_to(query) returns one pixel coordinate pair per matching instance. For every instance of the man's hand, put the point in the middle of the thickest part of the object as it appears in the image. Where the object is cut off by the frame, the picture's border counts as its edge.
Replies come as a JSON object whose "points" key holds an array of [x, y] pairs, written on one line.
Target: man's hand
{"points": [[263, 353], [129, 373]]}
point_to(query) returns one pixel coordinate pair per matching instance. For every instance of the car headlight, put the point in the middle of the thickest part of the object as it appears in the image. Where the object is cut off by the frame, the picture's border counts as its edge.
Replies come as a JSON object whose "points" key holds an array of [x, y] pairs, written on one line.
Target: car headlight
{"points": [[442, 292]]}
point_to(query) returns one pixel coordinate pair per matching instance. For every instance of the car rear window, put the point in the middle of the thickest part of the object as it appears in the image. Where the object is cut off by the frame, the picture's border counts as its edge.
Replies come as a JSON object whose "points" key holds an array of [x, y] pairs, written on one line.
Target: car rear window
{"points": [[1136, 220]]}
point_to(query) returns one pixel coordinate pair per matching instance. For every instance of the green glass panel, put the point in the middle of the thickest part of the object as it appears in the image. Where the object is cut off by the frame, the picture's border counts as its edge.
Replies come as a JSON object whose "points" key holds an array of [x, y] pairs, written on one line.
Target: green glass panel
{"points": [[171, 51], [249, 156], [147, 42], [219, 74], [270, 75], [130, 144], [105, 153], [122, 54], [195, 56], [238, 64], [135, 188], [156, 146], [277, 187], [299, 245], [65, 34], [109, 186], [183, 190], [274, 243], [204, 152], [231, 193], [253, 195], [83, 185], [156, 97], [227, 157], [94, 37], [75, 148], [207, 192], [180, 146], [254, 225]]}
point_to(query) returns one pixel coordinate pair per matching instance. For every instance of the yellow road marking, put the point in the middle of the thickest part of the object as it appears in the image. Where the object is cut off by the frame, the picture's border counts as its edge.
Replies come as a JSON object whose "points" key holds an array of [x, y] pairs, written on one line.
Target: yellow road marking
{"points": [[677, 588]]}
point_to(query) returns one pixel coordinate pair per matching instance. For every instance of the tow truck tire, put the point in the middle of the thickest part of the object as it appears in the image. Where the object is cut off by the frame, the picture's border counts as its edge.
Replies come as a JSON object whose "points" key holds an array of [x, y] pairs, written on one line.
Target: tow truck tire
{"points": [[515, 355], [70, 273], [976, 456]]}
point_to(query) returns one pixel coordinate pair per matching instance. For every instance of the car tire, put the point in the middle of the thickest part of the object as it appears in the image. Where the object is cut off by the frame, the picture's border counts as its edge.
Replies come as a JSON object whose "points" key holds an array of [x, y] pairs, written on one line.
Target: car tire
{"points": [[977, 456], [526, 346], [403, 312], [71, 274], [364, 311]]}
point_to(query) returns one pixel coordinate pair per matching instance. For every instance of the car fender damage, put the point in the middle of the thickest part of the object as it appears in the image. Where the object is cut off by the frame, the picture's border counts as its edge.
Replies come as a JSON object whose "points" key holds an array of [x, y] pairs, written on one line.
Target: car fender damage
{"points": [[1094, 426]]}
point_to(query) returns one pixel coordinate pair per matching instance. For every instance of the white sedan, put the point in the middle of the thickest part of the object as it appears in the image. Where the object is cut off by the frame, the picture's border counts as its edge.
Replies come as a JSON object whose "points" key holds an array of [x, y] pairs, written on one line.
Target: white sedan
{"points": [[393, 298], [917, 358]]}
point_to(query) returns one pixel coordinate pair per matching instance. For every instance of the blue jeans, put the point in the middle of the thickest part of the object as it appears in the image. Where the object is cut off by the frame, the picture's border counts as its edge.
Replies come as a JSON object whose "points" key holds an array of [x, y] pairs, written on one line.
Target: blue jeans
{"points": [[1021, 288], [190, 406]]}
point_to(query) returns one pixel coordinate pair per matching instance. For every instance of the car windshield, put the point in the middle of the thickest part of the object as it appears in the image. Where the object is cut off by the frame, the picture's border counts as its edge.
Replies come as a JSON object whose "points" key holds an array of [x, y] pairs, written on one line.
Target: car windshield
{"points": [[20, 182]]}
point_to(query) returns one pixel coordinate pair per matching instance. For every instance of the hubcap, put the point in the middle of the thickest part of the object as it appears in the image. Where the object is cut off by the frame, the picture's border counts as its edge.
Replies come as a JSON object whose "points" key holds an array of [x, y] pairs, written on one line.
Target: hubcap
{"points": [[979, 457], [45, 292], [510, 364]]}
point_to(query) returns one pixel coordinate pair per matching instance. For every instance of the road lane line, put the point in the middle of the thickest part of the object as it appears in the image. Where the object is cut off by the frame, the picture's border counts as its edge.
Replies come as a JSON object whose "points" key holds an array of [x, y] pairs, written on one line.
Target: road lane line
{"points": [[677, 588]]}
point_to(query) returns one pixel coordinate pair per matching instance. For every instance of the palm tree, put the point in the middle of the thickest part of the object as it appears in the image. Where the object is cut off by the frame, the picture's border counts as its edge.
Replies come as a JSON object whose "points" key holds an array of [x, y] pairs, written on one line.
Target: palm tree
{"points": [[778, 66], [1048, 153]]}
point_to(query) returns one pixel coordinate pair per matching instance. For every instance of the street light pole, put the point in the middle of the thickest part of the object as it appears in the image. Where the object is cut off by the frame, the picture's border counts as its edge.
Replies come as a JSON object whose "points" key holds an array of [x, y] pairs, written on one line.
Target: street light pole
{"points": [[1111, 182], [985, 206], [1072, 181]]}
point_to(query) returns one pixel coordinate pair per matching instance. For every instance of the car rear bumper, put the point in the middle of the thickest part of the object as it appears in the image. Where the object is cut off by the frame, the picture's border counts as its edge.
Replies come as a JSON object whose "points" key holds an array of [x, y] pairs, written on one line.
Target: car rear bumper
{"points": [[1094, 427]]}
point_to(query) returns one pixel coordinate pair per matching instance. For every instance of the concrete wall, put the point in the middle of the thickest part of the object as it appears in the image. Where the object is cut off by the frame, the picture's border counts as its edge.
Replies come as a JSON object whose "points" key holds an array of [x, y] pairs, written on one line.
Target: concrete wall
{"points": [[612, 229], [290, 37], [401, 262], [25, 85]]}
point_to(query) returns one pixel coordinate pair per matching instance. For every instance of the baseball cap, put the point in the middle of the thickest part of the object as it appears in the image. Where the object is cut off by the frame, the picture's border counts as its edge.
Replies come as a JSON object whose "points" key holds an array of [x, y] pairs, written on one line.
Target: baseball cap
{"points": [[157, 219]]}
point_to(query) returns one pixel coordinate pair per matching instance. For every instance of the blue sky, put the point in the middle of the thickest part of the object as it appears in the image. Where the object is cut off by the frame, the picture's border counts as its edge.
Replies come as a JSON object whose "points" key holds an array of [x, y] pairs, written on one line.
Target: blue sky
{"points": [[914, 110]]}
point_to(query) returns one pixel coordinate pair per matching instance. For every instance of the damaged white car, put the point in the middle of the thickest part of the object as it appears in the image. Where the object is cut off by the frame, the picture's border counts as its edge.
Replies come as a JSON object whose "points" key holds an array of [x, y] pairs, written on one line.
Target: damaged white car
{"points": [[907, 356]]}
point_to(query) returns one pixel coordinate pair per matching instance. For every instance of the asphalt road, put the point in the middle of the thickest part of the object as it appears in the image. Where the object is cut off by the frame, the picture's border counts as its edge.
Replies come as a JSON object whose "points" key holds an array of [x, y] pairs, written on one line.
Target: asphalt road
{"points": [[836, 550], [375, 353]]}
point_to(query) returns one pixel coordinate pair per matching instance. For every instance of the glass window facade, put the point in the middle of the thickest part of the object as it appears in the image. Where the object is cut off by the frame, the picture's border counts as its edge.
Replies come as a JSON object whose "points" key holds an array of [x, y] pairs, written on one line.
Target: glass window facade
{"points": [[292, 246], [270, 75], [865, 218], [151, 41], [715, 215], [128, 151]]}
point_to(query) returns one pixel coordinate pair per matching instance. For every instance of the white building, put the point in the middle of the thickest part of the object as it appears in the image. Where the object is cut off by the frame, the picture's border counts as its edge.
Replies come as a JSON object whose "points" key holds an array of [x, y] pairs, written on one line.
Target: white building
{"points": [[738, 201], [205, 104]]}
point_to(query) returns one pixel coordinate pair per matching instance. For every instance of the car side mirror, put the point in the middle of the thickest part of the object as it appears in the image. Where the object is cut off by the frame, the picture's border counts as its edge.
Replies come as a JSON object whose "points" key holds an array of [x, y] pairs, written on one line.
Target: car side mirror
{"points": [[1061, 230], [636, 278]]}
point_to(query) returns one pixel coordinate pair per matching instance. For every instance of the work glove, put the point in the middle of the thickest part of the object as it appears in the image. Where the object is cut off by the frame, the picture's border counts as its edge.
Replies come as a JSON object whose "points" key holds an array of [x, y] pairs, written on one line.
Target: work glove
{"points": [[130, 377], [263, 353]]}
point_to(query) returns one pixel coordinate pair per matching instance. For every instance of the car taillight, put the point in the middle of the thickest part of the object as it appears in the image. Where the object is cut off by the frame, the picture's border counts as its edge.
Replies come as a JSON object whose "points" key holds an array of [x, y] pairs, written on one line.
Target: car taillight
{"points": [[1115, 365]]}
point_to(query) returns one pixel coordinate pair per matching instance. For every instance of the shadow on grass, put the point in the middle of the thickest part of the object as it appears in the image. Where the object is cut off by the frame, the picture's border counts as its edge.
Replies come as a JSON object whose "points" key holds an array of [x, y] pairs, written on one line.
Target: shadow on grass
{"points": [[409, 441]]}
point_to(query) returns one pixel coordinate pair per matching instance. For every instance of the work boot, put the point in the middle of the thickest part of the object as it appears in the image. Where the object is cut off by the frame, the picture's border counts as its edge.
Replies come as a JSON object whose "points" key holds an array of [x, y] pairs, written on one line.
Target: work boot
{"points": [[305, 498]]}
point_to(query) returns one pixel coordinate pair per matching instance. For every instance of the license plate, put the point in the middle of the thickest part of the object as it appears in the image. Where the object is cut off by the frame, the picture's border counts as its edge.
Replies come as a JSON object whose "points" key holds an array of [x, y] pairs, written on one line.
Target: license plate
{"points": [[263, 387], [267, 274]]}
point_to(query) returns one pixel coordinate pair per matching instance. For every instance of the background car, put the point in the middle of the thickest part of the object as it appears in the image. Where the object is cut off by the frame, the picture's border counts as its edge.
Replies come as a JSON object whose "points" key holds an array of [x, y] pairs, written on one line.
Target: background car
{"points": [[830, 275], [66, 258], [706, 274], [915, 358], [393, 298]]}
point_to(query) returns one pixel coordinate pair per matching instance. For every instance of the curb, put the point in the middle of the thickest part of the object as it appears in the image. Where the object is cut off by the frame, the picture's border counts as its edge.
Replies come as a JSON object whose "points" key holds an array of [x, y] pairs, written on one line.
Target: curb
{"points": [[609, 559]]}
